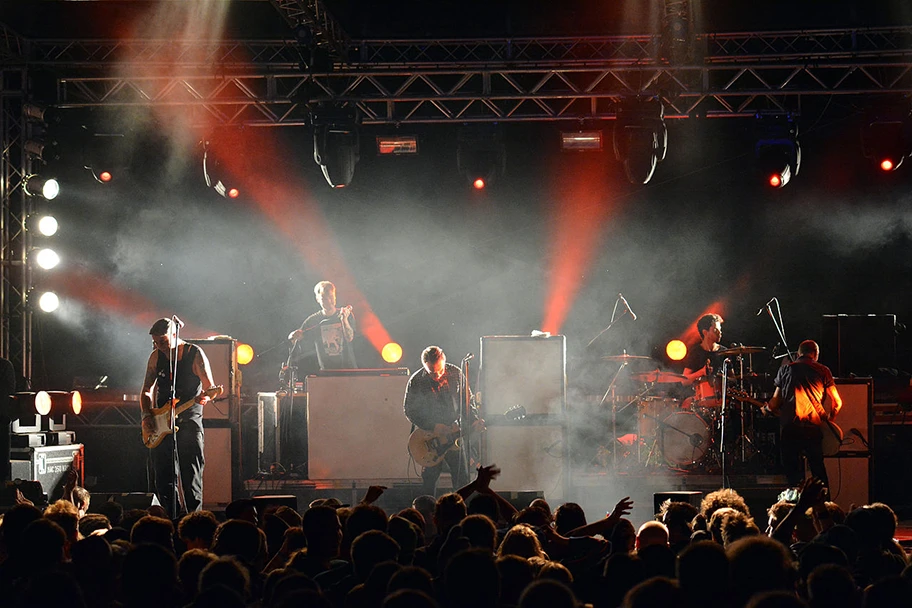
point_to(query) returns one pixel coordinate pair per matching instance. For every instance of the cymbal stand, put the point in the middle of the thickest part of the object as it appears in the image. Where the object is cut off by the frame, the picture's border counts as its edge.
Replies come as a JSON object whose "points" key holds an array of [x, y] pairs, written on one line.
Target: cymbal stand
{"points": [[611, 386], [725, 365]]}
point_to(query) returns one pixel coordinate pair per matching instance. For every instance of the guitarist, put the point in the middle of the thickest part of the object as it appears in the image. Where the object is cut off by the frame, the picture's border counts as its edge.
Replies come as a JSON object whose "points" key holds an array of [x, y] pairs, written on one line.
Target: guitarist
{"points": [[193, 373], [432, 402], [805, 399]]}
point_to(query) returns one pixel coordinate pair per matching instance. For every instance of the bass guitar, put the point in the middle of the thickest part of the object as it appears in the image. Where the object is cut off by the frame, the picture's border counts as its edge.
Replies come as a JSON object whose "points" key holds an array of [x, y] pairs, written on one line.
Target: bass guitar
{"points": [[428, 448], [154, 432], [832, 433]]}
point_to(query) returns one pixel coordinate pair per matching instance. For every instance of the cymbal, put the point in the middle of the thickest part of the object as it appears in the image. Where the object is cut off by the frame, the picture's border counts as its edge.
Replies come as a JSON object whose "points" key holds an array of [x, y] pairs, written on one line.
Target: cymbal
{"points": [[741, 350], [625, 357], [658, 376]]}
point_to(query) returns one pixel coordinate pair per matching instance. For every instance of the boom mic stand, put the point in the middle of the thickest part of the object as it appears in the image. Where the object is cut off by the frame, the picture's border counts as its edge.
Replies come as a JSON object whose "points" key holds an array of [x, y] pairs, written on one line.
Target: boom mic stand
{"points": [[779, 325], [464, 409], [175, 463]]}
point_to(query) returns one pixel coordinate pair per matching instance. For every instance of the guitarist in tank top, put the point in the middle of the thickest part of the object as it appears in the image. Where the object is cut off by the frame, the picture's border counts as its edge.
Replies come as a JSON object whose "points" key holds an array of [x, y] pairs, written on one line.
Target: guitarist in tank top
{"points": [[193, 373], [805, 400]]}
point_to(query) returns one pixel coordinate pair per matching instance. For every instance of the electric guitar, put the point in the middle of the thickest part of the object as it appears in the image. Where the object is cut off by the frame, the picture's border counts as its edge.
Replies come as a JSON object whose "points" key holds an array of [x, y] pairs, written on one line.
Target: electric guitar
{"points": [[832, 433], [161, 417], [428, 448]]}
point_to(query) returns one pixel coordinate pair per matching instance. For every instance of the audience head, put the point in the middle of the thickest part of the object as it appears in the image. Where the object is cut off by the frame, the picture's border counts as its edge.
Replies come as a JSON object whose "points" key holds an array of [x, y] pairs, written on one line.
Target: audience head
{"points": [[480, 531], [471, 580], [755, 554], [484, 504], [651, 533], [189, 567], [547, 594], [371, 548], [521, 540], [197, 529], [244, 509], [240, 538], [151, 529], [226, 571], [569, 516], [449, 511], [656, 591], [725, 497]]}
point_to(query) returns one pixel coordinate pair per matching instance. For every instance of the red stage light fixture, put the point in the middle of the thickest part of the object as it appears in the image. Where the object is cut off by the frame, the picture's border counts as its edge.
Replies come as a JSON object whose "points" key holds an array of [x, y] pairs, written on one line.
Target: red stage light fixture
{"points": [[233, 193], [337, 144], [391, 352], [105, 177], [676, 350], [397, 145], [481, 155], [887, 142], [479, 184], [777, 150]]}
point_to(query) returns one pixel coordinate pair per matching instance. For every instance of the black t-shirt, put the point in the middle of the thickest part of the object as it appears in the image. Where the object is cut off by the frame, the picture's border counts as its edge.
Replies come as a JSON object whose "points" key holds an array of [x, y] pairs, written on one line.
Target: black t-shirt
{"points": [[697, 356], [428, 402], [333, 350], [803, 385]]}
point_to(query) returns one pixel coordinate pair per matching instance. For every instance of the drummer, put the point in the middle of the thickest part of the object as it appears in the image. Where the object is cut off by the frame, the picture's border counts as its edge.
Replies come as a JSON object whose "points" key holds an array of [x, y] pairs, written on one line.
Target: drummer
{"points": [[702, 360]]}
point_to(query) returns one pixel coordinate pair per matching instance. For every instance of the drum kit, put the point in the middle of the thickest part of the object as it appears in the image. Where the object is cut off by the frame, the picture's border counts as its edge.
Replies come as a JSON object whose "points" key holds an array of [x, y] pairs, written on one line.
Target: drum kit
{"points": [[699, 428]]}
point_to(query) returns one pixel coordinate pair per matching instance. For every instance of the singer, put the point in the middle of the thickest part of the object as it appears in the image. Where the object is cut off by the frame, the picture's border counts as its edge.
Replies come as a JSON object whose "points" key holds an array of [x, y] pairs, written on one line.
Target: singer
{"points": [[805, 400], [432, 402], [332, 328], [193, 373]]}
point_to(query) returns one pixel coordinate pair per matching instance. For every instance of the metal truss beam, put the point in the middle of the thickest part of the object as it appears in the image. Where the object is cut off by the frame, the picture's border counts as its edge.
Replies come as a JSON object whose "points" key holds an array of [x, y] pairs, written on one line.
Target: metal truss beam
{"points": [[477, 95], [15, 276], [871, 44]]}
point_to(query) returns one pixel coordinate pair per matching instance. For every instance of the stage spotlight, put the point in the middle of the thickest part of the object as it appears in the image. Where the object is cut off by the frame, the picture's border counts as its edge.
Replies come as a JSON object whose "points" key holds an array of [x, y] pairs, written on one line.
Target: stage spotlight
{"points": [[215, 174], [53, 406], [391, 352], [676, 350], [47, 187], [481, 156], [48, 301], [677, 38], [47, 225], [22, 411], [581, 141], [777, 150], [886, 143], [337, 144], [107, 155], [640, 138], [47, 259], [244, 354], [397, 145]]}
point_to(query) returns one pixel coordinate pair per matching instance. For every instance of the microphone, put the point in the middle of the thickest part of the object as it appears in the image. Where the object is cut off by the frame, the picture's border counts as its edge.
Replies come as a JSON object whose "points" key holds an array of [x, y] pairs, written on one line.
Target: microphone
{"points": [[177, 320], [468, 357], [765, 306], [627, 306]]}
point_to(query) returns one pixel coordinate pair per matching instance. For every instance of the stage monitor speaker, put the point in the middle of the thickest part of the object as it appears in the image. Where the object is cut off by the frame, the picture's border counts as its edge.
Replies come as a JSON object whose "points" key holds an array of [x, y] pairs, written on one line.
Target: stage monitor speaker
{"points": [[222, 355], [857, 405], [355, 426], [694, 498], [858, 344], [530, 457], [850, 479], [217, 472], [279, 500], [128, 500], [518, 370]]}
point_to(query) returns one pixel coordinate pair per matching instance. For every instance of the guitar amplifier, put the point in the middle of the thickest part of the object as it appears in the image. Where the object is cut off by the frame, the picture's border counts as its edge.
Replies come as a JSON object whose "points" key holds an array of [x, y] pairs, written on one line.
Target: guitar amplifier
{"points": [[855, 416], [222, 355], [519, 370]]}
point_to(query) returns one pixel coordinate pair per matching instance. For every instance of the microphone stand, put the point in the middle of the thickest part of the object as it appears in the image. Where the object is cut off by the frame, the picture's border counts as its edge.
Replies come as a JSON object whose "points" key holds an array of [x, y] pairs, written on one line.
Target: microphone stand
{"points": [[175, 463], [780, 326], [611, 323], [465, 408], [725, 364]]}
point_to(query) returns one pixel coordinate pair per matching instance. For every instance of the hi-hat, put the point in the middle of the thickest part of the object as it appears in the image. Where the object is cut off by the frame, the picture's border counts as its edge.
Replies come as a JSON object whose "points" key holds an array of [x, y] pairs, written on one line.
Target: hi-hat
{"points": [[625, 357], [658, 376], [740, 350]]}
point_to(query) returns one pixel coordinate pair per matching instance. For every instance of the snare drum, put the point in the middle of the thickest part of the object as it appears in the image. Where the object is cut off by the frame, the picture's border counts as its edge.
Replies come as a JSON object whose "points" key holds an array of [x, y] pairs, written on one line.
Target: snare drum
{"points": [[650, 411], [685, 438]]}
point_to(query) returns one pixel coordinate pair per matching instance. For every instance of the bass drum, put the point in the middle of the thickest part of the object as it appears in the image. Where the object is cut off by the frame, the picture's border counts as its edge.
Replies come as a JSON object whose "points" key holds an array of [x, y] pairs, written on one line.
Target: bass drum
{"points": [[685, 439]]}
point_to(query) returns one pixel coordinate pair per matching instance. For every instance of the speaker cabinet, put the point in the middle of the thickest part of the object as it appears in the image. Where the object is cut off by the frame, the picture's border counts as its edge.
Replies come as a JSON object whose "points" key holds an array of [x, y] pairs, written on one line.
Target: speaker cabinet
{"points": [[356, 428], [217, 472], [530, 457], [47, 465], [222, 355], [267, 427], [858, 344], [850, 479], [518, 370], [857, 399]]}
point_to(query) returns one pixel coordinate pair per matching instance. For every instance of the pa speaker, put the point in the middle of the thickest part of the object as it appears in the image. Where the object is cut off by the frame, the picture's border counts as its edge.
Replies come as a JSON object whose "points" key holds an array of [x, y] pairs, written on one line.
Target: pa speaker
{"points": [[694, 498], [854, 418], [355, 426], [529, 372], [850, 477]]}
